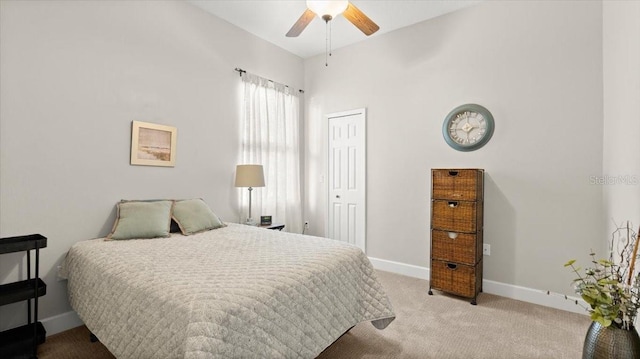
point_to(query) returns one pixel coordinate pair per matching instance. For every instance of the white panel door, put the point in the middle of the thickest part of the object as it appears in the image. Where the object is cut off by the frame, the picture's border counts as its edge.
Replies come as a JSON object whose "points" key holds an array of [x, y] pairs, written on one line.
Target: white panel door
{"points": [[346, 177]]}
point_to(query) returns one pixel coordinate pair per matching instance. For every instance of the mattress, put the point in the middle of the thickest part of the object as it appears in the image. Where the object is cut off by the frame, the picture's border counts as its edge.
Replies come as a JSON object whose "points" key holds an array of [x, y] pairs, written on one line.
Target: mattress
{"points": [[233, 292]]}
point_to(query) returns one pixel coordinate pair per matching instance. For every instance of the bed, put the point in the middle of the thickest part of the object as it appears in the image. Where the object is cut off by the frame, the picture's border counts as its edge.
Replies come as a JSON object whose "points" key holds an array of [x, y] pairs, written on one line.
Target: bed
{"points": [[232, 292]]}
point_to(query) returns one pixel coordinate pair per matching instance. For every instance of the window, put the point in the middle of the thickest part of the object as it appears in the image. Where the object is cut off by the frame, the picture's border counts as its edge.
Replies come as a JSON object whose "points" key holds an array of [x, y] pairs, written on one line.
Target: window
{"points": [[270, 136]]}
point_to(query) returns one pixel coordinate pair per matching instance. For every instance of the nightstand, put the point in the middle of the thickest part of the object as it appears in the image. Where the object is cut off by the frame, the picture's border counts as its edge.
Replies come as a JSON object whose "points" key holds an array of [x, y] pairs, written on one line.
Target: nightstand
{"points": [[275, 226]]}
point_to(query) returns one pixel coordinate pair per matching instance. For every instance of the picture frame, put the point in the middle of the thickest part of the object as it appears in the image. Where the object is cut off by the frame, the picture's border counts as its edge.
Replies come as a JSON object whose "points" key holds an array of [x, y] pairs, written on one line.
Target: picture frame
{"points": [[265, 220], [153, 144]]}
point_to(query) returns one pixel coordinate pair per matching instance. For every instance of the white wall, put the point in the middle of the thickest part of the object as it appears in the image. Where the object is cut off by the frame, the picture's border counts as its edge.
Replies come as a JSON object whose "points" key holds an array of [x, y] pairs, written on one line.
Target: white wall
{"points": [[73, 75], [537, 66], [621, 61]]}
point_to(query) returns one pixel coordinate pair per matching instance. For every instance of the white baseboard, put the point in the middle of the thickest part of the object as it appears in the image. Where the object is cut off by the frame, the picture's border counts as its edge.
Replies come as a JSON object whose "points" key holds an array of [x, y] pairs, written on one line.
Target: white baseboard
{"points": [[61, 322], [511, 291], [409, 270]]}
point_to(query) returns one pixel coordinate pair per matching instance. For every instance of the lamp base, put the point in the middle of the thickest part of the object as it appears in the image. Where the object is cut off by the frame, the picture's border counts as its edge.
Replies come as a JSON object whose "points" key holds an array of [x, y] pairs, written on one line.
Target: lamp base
{"points": [[250, 222]]}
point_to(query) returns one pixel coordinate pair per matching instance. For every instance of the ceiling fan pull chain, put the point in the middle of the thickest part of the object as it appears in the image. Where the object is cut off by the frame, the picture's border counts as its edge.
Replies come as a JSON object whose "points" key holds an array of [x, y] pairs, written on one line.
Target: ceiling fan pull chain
{"points": [[326, 43], [330, 34]]}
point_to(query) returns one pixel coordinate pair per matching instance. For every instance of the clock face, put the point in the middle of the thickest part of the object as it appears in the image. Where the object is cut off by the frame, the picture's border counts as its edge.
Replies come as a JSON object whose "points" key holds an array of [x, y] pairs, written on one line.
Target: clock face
{"points": [[468, 127]]}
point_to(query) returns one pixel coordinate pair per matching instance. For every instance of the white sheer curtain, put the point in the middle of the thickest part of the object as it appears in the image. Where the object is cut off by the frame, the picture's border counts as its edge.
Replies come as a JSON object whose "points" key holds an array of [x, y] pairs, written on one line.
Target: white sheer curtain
{"points": [[270, 137]]}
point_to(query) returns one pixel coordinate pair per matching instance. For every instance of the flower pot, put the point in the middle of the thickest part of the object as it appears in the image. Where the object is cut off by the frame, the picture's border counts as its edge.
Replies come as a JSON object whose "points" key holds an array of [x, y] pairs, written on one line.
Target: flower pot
{"points": [[610, 342]]}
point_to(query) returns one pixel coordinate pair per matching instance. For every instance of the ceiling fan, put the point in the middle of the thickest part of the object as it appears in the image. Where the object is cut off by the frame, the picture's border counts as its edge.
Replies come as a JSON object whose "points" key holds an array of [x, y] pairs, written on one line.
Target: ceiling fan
{"points": [[327, 10]]}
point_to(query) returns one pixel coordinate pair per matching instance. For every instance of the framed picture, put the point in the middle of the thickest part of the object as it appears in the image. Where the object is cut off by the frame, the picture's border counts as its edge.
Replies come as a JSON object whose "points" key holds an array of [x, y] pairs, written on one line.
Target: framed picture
{"points": [[265, 220], [153, 144]]}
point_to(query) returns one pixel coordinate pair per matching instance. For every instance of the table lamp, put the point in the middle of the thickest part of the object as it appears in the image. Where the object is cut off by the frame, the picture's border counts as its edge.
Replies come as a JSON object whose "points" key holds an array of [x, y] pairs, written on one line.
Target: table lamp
{"points": [[249, 176]]}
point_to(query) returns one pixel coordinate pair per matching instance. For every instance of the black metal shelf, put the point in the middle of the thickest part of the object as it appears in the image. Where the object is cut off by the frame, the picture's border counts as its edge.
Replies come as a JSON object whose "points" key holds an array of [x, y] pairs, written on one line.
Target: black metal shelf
{"points": [[22, 290], [18, 342], [22, 243], [22, 342]]}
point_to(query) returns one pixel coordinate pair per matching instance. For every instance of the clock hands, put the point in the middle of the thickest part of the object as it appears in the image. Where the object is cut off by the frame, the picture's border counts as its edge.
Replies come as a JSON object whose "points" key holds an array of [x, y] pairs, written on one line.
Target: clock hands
{"points": [[467, 127]]}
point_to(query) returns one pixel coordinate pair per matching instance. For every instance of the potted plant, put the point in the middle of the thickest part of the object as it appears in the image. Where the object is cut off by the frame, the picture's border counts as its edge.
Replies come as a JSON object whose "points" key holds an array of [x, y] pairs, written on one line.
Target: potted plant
{"points": [[611, 289]]}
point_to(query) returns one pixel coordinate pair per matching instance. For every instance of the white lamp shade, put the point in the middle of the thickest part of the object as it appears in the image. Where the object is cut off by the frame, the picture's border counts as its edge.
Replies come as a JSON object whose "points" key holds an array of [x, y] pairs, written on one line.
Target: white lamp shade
{"points": [[249, 176], [327, 7]]}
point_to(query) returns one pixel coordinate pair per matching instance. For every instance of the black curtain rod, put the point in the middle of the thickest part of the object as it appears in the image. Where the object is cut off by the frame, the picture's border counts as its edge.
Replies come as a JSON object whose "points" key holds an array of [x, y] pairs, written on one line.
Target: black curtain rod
{"points": [[241, 71]]}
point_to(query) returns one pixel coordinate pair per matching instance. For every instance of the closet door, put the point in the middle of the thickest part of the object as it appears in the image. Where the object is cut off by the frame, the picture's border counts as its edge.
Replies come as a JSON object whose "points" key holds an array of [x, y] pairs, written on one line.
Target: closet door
{"points": [[346, 212]]}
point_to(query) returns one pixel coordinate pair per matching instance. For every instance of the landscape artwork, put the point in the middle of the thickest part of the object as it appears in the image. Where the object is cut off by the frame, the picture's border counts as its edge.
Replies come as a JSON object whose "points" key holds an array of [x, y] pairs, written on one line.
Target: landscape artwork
{"points": [[153, 144]]}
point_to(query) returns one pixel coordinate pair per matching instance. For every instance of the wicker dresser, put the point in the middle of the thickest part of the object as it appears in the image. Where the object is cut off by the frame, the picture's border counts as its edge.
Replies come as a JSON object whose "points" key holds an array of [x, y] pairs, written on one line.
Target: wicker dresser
{"points": [[457, 201]]}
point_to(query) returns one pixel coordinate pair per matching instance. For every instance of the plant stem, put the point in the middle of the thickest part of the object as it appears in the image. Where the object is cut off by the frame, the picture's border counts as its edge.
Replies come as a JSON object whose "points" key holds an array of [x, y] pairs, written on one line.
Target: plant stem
{"points": [[633, 258]]}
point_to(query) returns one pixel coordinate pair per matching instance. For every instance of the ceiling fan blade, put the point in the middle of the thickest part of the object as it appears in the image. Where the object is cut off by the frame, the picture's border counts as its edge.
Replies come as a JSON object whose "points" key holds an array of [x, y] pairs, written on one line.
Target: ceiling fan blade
{"points": [[360, 20], [302, 22]]}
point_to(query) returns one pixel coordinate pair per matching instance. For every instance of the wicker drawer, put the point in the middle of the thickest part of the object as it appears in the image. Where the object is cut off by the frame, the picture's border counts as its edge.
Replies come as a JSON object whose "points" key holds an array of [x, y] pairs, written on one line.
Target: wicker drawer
{"points": [[456, 216], [456, 278], [456, 247], [457, 184]]}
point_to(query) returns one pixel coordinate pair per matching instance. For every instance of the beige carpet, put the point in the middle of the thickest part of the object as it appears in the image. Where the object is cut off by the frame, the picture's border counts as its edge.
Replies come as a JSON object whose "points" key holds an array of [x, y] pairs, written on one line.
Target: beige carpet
{"points": [[438, 326]]}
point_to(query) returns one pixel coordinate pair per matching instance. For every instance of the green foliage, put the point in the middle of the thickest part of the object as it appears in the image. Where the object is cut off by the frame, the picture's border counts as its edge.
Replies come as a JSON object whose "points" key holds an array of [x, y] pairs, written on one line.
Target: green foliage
{"points": [[611, 289], [600, 288]]}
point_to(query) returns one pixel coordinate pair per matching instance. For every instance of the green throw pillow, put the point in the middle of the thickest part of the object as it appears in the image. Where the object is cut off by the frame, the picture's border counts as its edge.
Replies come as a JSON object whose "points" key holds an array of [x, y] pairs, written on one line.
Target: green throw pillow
{"points": [[193, 216], [142, 219]]}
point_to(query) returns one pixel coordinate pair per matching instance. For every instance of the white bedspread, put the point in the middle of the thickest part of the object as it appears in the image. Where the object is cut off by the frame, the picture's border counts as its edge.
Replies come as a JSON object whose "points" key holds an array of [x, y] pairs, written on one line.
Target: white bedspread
{"points": [[234, 292]]}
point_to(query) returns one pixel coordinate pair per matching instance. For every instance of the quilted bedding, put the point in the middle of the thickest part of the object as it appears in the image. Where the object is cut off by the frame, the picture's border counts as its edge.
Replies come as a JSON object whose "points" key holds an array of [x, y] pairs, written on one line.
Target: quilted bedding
{"points": [[234, 292]]}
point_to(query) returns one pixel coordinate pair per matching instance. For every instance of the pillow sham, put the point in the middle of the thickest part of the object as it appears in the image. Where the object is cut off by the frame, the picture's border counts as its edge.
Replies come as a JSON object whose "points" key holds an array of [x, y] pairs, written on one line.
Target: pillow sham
{"points": [[193, 216], [142, 220]]}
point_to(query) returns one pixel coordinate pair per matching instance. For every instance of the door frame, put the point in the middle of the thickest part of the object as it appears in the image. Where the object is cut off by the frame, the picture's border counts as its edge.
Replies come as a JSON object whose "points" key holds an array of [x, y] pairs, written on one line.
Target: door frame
{"points": [[362, 111]]}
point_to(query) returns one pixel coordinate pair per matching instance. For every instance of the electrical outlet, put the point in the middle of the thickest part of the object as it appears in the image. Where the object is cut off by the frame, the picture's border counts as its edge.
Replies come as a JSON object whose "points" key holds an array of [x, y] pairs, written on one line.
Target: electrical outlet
{"points": [[486, 249]]}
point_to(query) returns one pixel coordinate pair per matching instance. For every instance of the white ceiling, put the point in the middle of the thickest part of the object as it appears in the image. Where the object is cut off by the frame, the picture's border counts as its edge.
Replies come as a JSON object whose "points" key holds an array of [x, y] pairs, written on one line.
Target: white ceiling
{"points": [[271, 19]]}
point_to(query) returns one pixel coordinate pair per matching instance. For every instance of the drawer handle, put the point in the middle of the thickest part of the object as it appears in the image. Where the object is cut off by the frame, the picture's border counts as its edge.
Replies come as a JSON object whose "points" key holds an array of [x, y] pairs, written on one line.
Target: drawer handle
{"points": [[453, 235], [453, 204], [453, 173], [452, 266]]}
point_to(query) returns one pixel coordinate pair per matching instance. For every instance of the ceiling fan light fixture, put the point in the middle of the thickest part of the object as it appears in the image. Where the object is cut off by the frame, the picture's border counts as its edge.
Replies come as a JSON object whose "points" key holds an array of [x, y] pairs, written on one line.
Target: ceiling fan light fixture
{"points": [[332, 8]]}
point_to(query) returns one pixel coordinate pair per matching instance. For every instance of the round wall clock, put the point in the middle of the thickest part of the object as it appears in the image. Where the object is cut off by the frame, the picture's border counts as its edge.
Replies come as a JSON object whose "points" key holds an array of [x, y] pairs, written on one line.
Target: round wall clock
{"points": [[468, 127]]}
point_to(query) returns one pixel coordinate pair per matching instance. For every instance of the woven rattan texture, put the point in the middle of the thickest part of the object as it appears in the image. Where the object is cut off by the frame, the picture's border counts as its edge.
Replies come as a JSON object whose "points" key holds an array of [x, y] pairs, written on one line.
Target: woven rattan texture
{"points": [[456, 216], [456, 247], [457, 184], [456, 278], [457, 211]]}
